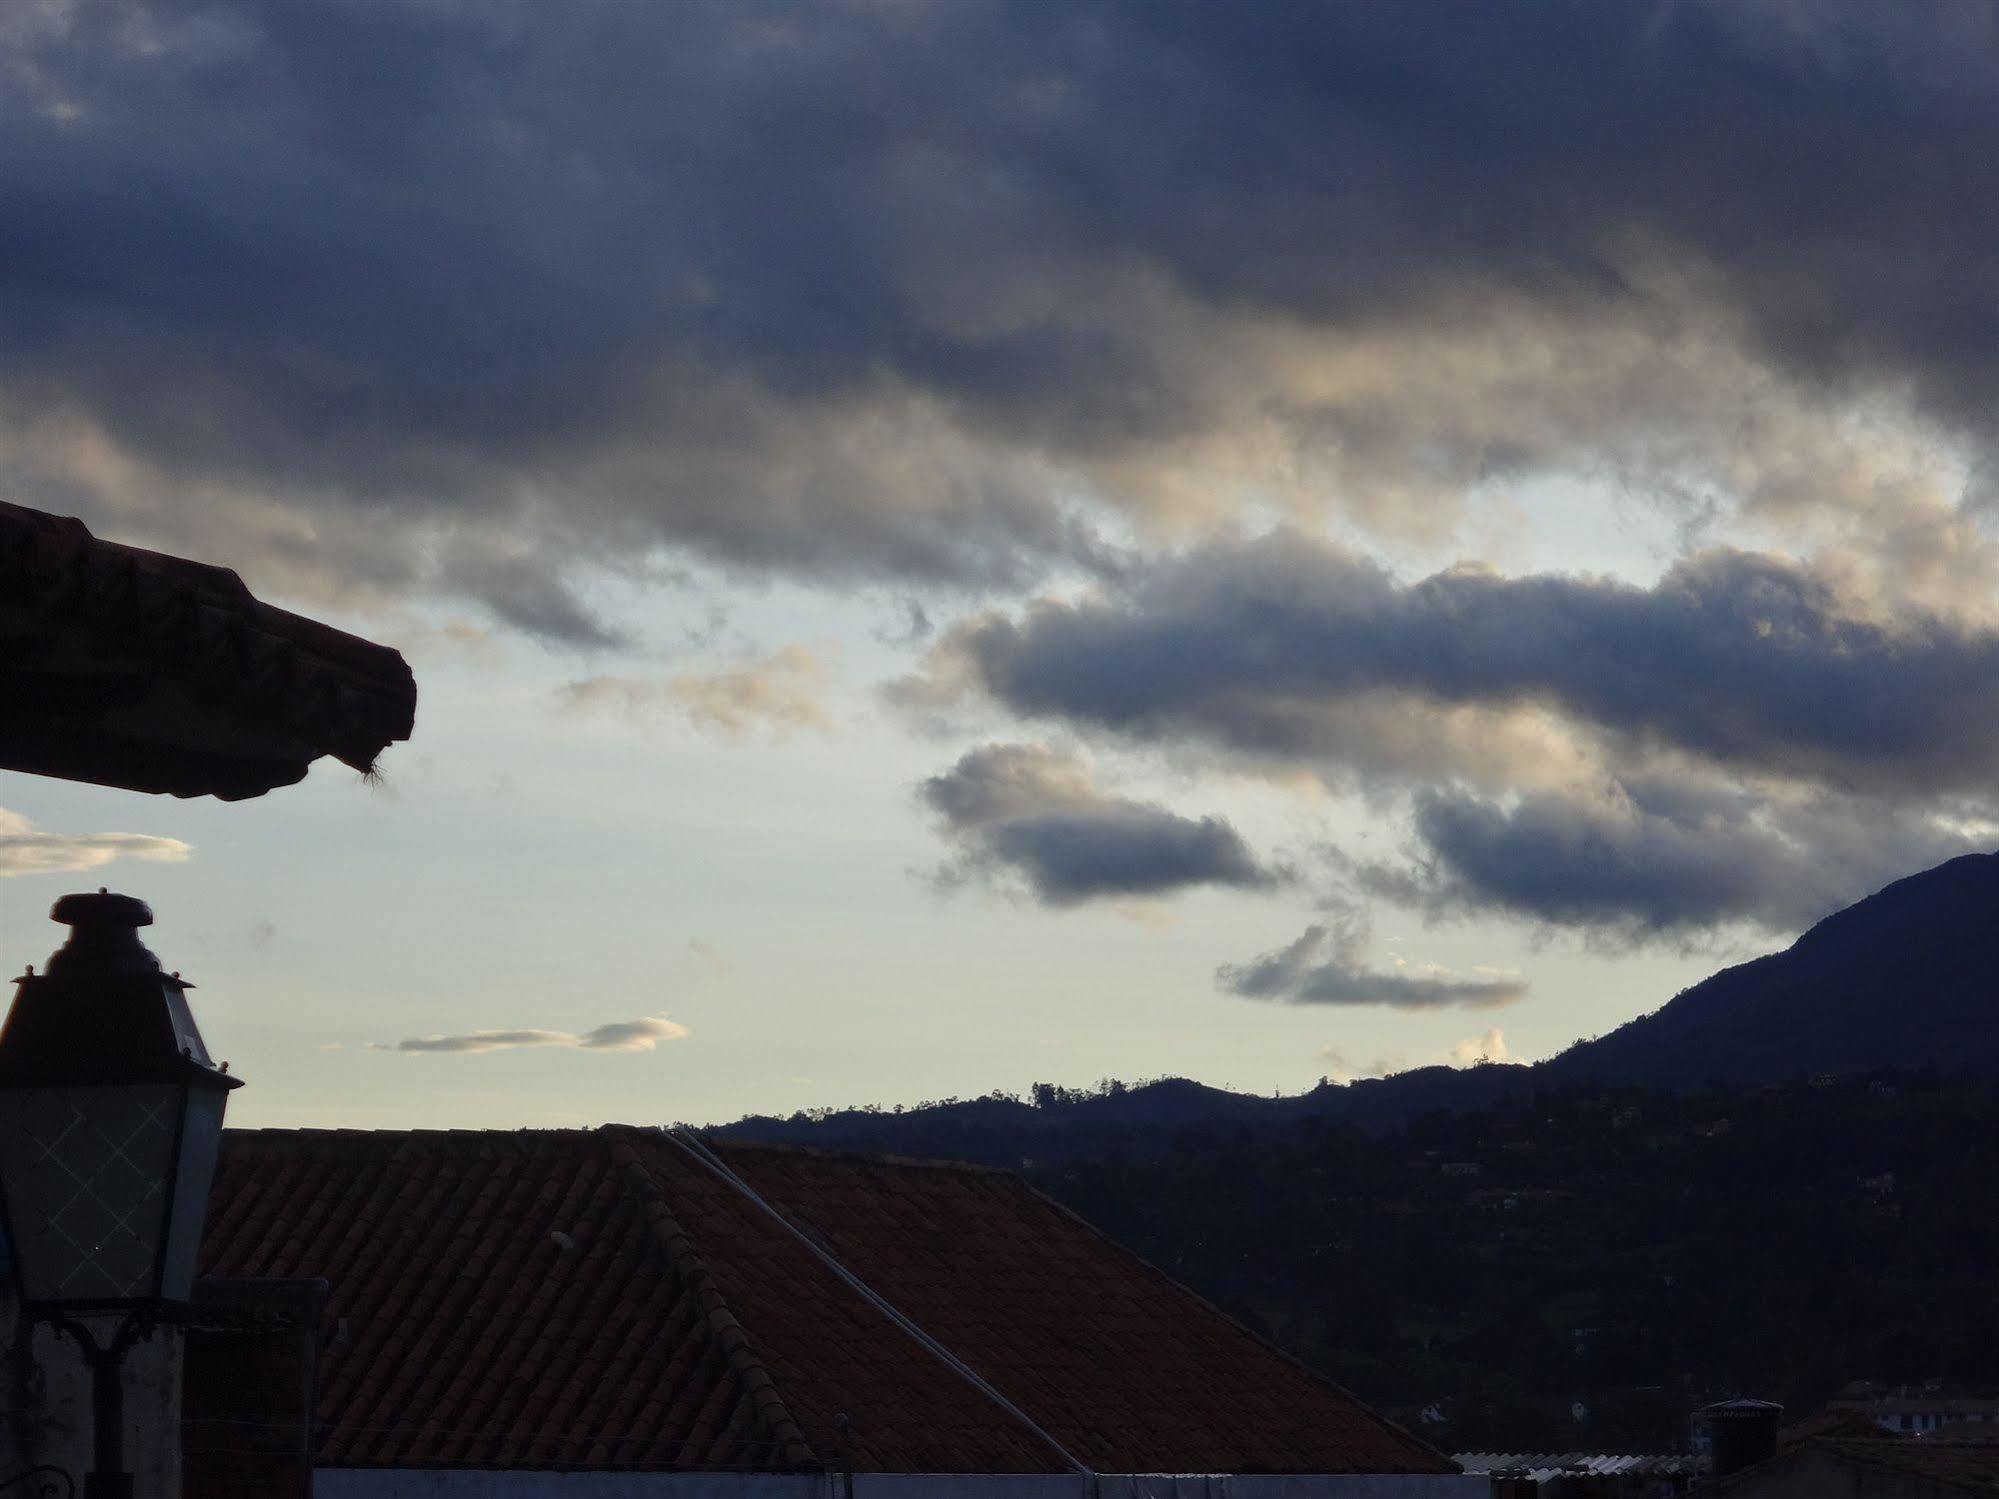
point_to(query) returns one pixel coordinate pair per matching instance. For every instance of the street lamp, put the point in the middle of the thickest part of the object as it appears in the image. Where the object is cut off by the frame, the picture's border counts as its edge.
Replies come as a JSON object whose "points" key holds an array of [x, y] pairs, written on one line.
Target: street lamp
{"points": [[110, 1123]]}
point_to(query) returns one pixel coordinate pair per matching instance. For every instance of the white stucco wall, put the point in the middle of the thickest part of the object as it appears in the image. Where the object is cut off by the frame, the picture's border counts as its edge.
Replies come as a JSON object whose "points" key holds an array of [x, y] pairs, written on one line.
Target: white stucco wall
{"points": [[378, 1483]]}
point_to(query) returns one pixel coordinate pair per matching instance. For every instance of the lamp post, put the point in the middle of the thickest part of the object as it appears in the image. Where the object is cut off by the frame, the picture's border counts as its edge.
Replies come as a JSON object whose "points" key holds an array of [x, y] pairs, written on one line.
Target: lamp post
{"points": [[110, 1124]]}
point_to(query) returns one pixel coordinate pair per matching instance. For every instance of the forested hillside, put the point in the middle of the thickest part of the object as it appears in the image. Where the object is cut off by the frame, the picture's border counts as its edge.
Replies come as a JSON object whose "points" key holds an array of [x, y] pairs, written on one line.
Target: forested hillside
{"points": [[1632, 1252], [1778, 1182]]}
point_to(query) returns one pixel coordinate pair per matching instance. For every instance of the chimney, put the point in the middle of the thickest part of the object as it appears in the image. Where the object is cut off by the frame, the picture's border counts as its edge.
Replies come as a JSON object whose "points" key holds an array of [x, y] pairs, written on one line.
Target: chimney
{"points": [[1741, 1433]]}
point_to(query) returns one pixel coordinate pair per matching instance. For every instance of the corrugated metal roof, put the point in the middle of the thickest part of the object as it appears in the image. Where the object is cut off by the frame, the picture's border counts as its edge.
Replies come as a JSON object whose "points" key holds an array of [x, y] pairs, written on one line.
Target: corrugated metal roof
{"points": [[1543, 1465]]}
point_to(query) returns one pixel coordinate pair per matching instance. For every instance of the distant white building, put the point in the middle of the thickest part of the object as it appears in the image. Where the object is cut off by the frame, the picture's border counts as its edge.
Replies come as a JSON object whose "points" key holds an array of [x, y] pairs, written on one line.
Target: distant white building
{"points": [[1923, 1412]]}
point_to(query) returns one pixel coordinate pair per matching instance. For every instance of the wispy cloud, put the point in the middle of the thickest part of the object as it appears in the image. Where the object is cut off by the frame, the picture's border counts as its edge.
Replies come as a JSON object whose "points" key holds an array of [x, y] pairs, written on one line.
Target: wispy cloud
{"points": [[27, 849], [644, 1034], [779, 695], [1327, 965]]}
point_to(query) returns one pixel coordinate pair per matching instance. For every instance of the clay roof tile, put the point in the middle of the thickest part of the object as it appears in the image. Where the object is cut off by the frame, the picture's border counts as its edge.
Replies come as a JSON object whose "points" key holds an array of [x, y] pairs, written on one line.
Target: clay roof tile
{"points": [[683, 1327]]}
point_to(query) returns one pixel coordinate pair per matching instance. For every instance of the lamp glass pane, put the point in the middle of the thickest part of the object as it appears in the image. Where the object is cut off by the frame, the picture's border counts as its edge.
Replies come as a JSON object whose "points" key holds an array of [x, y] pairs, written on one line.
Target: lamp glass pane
{"points": [[200, 1144], [86, 1172]]}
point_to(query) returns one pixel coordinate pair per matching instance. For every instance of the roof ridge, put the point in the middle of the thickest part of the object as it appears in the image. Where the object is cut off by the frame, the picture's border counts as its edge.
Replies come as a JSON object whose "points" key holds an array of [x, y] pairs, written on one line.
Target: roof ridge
{"points": [[684, 1258], [321, 1135], [845, 1153]]}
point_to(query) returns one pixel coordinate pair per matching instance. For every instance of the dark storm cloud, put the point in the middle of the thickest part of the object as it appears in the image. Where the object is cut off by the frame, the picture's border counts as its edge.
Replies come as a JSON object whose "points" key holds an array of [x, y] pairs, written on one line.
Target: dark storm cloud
{"points": [[1030, 812], [1288, 647], [1327, 965], [1652, 859], [1738, 742], [862, 288], [522, 590]]}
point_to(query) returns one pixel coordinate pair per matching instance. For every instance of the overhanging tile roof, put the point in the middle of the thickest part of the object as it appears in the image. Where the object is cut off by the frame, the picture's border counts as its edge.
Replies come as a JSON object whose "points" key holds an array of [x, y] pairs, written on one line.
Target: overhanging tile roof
{"points": [[157, 673], [1835, 1421], [680, 1327], [1971, 1466], [1967, 1467]]}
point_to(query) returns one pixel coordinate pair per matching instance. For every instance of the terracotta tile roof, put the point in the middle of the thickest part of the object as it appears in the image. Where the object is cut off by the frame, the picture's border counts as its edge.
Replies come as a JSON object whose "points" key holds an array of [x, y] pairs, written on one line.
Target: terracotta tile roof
{"points": [[1834, 1421], [680, 1326], [156, 673], [1968, 1467], [1971, 1466]]}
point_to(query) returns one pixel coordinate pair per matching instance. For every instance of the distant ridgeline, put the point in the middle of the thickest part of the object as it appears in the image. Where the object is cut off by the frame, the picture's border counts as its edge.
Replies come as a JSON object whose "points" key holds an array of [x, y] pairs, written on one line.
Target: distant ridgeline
{"points": [[1629, 1252], [1905, 979], [1777, 1184]]}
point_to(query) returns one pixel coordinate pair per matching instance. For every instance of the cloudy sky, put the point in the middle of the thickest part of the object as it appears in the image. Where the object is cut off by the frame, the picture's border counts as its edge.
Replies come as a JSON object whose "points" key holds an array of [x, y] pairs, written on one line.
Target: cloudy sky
{"points": [[950, 543]]}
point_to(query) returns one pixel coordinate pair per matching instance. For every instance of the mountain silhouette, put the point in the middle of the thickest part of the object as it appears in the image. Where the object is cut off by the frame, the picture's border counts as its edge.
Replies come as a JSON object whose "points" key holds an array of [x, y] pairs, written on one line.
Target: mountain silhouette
{"points": [[1907, 978]]}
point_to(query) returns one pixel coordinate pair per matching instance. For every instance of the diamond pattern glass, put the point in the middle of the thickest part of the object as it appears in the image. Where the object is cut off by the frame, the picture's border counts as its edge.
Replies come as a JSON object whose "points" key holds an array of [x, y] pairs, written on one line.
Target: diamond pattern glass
{"points": [[87, 1173]]}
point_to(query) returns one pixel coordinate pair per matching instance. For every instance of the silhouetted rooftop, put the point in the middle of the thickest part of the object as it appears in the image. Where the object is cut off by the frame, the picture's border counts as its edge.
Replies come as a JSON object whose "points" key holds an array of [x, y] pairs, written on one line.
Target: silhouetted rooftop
{"points": [[602, 1299], [134, 669], [1969, 1467]]}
